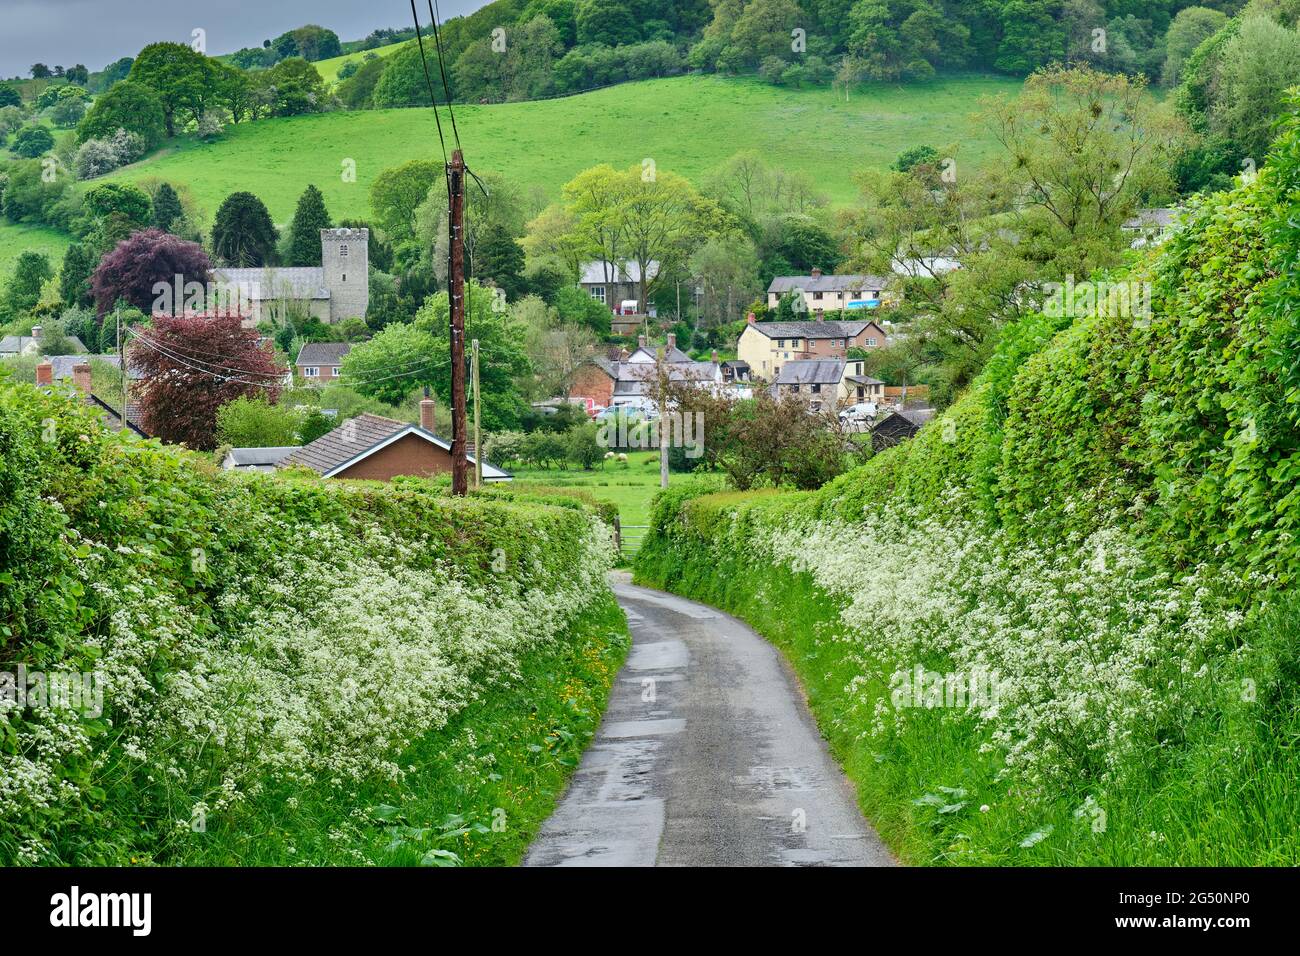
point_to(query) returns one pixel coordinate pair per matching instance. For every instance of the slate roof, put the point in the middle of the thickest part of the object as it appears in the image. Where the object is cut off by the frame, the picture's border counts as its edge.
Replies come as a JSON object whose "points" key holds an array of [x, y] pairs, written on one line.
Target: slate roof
{"points": [[811, 330], [323, 353], [63, 364], [299, 282], [17, 344], [250, 457], [811, 372], [113, 419], [360, 437], [593, 273], [846, 283]]}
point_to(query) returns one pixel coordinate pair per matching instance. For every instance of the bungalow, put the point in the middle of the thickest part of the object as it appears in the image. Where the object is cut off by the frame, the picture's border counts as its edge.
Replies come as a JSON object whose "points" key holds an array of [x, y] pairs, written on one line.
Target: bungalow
{"points": [[378, 448], [823, 293], [766, 346], [319, 362]]}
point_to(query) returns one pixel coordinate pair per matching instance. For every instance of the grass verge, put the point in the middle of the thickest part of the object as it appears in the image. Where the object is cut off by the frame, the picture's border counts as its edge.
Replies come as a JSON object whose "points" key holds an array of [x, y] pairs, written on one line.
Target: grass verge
{"points": [[476, 790]]}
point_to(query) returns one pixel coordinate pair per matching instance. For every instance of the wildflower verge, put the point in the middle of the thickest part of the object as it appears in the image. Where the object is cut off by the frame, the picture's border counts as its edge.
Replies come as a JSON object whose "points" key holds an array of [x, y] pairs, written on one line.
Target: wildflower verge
{"points": [[286, 669]]}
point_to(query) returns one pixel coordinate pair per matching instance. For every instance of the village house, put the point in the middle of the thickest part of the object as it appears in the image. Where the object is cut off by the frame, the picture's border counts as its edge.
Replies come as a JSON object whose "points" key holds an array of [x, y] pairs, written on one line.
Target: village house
{"points": [[817, 294], [319, 362], [829, 382], [380, 449], [613, 283], [1150, 227], [337, 289], [13, 346], [110, 412], [628, 379], [257, 459], [766, 346]]}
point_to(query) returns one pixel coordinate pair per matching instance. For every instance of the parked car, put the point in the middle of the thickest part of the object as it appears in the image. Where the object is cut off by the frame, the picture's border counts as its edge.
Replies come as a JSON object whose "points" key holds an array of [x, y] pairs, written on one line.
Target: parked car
{"points": [[861, 412]]}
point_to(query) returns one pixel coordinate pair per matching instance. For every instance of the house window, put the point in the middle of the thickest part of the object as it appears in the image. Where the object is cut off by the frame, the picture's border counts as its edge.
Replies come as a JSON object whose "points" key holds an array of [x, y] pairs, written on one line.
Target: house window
{"points": [[817, 296], [335, 371], [816, 389], [345, 277], [795, 344], [875, 293], [871, 341], [598, 293], [311, 371], [343, 250], [780, 343]]}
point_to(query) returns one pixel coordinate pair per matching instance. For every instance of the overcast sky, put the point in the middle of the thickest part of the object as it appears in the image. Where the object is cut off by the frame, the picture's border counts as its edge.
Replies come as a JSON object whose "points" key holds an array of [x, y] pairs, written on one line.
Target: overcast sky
{"points": [[97, 32]]}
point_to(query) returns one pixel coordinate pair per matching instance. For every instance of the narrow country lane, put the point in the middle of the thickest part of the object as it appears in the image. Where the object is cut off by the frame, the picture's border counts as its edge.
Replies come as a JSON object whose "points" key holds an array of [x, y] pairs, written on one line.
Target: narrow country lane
{"points": [[707, 756]]}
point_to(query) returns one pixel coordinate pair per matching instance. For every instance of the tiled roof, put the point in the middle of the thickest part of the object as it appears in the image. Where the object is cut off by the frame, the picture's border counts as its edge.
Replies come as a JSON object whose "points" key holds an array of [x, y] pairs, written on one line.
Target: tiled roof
{"points": [[849, 283], [810, 330], [113, 419], [811, 372], [359, 437], [299, 282], [323, 353]]}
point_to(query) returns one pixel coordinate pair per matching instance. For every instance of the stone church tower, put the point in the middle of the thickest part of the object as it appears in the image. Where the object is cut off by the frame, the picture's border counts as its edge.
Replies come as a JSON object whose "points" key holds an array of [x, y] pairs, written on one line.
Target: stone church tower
{"points": [[345, 260]]}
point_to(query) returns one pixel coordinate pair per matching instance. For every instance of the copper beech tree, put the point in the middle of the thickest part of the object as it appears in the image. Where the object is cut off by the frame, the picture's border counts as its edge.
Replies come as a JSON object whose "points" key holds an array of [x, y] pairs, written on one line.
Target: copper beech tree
{"points": [[190, 366]]}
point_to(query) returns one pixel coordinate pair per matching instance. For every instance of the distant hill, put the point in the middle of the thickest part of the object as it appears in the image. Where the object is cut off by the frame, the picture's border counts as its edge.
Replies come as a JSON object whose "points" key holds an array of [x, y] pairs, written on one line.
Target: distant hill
{"points": [[685, 124]]}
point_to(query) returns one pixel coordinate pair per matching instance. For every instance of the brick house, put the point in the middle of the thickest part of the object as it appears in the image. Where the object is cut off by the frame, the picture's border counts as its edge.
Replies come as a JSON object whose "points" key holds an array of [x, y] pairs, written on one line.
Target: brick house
{"points": [[378, 448], [625, 380], [766, 346], [319, 362]]}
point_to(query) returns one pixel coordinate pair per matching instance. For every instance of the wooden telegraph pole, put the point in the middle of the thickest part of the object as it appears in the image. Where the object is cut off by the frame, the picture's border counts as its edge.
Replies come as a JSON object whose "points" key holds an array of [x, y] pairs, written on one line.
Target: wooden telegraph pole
{"points": [[456, 287]]}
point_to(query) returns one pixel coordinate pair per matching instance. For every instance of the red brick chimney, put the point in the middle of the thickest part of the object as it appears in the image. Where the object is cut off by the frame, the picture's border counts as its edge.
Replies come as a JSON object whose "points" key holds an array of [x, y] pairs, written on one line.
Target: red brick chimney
{"points": [[751, 318], [816, 273], [714, 357], [427, 406], [81, 377], [45, 374]]}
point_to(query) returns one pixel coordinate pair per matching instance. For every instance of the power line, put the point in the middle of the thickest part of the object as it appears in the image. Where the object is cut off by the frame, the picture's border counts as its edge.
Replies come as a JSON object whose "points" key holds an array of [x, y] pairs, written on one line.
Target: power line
{"points": [[428, 81], [434, 15]]}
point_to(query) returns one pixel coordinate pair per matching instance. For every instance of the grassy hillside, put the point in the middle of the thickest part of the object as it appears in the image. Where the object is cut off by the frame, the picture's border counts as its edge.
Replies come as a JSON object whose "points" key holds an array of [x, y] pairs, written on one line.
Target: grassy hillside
{"points": [[329, 69], [686, 124], [15, 239]]}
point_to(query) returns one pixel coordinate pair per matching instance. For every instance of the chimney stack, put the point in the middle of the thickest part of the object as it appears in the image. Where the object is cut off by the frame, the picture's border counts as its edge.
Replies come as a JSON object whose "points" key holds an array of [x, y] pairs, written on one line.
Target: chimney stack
{"points": [[672, 340], [623, 355], [817, 273], [640, 341], [81, 377], [751, 318], [715, 356], [427, 407], [36, 331], [45, 373]]}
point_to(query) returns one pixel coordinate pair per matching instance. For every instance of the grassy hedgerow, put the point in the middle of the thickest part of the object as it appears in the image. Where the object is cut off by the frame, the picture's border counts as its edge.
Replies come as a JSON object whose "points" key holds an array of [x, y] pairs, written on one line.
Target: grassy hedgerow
{"points": [[257, 638]]}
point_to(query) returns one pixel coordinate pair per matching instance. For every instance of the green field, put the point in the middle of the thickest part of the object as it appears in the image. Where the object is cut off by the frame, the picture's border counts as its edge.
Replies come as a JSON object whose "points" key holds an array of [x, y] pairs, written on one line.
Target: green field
{"points": [[686, 124], [630, 488], [15, 239], [329, 69]]}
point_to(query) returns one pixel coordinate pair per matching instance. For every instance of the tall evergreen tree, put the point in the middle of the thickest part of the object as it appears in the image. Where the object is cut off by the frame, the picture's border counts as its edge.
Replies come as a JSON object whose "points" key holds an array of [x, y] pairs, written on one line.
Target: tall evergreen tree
{"points": [[74, 278], [166, 207], [243, 234], [309, 219]]}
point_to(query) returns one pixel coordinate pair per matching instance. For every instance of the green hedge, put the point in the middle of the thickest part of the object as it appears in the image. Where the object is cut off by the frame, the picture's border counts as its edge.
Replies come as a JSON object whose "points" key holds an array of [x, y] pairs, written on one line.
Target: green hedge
{"points": [[102, 534]]}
